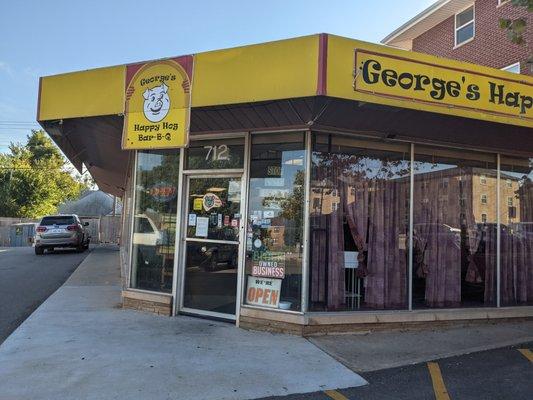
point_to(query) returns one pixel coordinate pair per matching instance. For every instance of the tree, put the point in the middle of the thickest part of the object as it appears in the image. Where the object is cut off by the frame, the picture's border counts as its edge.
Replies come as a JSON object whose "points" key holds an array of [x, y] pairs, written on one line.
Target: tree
{"points": [[516, 28], [35, 178]]}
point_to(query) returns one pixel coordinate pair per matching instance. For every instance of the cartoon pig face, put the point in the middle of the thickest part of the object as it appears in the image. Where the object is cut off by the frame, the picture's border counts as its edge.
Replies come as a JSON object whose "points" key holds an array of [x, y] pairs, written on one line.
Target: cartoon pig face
{"points": [[156, 103]]}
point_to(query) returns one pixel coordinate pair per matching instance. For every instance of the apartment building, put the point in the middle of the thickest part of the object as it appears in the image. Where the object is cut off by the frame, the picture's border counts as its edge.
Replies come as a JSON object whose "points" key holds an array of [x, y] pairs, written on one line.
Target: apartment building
{"points": [[468, 30]]}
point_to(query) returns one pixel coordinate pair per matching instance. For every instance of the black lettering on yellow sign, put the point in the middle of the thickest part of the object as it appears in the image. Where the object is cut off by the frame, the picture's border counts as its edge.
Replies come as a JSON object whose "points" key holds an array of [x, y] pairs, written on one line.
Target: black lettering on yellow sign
{"points": [[498, 95], [439, 89], [146, 128], [158, 78], [472, 92], [173, 126], [160, 136]]}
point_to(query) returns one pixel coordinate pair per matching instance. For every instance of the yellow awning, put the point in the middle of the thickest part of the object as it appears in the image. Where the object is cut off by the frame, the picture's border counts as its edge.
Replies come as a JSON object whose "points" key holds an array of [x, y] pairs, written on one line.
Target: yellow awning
{"points": [[308, 66]]}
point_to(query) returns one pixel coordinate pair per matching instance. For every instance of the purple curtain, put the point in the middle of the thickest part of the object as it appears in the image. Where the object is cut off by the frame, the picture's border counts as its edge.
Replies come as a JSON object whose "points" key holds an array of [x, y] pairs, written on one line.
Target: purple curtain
{"points": [[375, 211], [508, 261], [524, 279], [516, 267], [377, 220], [489, 259], [474, 232], [356, 201], [437, 235], [327, 238]]}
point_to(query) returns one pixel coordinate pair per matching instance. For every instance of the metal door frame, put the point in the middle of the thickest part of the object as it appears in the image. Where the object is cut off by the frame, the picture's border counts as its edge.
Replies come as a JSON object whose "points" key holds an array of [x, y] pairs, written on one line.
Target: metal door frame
{"points": [[181, 234]]}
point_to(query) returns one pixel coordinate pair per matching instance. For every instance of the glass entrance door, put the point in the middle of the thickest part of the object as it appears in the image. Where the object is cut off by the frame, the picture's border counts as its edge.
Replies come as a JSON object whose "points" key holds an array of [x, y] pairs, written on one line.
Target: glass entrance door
{"points": [[213, 222]]}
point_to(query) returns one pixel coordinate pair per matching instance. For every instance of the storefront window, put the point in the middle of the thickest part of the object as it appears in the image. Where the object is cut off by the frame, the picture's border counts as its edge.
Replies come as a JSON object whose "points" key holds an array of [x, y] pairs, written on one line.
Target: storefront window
{"points": [[154, 220], [516, 232], [359, 223], [125, 236], [215, 154], [275, 221], [454, 233]]}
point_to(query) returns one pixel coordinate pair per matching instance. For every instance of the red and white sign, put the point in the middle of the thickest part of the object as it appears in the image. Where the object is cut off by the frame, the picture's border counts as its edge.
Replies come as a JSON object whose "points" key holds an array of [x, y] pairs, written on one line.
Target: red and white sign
{"points": [[263, 292], [269, 269]]}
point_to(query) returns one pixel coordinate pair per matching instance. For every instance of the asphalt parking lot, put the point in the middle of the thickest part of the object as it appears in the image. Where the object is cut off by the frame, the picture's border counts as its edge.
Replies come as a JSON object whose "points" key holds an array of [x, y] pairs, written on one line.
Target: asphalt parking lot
{"points": [[26, 280], [500, 374]]}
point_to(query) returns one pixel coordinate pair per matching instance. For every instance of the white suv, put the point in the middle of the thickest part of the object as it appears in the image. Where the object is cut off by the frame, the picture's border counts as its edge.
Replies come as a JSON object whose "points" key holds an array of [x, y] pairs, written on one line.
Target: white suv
{"points": [[61, 231]]}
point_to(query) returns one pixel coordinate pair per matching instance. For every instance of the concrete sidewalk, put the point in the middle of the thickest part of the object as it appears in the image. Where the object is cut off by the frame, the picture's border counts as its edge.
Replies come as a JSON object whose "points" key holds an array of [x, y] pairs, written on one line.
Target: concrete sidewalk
{"points": [[381, 350], [81, 345]]}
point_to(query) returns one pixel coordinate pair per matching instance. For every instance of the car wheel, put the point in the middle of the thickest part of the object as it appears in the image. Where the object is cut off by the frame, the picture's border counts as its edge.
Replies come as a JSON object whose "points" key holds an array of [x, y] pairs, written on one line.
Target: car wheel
{"points": [[39, 251], [80, 248]]}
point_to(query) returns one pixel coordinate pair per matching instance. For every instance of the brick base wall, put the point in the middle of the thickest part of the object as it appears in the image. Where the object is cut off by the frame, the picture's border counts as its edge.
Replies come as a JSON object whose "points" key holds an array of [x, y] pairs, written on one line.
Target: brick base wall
{"points": [[313, 324], [153, 303]]}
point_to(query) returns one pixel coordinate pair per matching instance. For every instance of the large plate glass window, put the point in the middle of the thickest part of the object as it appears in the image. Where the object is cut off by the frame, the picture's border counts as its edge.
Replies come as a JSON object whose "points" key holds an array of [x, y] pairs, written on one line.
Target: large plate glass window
{"points": [[154, 222], [516, 231], [215, 154], [455, 228], [464, 26], [274, 241], [359, 224]]}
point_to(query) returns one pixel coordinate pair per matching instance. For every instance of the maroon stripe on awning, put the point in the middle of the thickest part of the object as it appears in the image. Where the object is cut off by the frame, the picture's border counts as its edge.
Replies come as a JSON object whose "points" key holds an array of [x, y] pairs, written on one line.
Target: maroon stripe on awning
{"points": [[321, 89]]}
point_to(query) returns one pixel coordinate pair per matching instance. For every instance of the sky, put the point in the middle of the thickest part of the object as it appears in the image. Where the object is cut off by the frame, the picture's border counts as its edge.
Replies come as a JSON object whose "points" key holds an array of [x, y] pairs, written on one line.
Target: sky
{"points": [[48, 37]]}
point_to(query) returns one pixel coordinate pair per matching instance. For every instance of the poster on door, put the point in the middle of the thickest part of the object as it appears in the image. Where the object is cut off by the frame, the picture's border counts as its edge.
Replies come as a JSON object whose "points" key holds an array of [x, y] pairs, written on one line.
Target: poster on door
{"points": [[263, 292]]}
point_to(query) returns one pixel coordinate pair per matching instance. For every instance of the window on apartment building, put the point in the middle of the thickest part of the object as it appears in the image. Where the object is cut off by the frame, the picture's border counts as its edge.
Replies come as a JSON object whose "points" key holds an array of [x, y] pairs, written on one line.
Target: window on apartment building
{"points": [[464, 26], [514, 68], [483, 199], [509, 183], [483, 179], [484, 218], [510, 201]]}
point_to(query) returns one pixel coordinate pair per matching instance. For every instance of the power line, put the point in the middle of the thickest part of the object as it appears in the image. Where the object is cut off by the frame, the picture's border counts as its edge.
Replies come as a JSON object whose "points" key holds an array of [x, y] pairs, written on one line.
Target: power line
{"points": [[18, 122], [17, 125], [15, 129], [5, 120]]}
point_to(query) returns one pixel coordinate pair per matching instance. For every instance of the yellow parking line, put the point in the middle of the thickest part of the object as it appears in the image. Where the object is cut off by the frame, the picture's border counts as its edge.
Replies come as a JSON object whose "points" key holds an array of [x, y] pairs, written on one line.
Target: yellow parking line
{"points": [[438, 383], [335, 395], [527, 354]]}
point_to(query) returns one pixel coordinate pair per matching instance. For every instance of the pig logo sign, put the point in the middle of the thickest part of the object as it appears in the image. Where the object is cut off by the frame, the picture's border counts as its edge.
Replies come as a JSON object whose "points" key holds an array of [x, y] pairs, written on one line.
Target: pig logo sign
{"points": [[211, 200], [157, 107], [156, 103]]}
